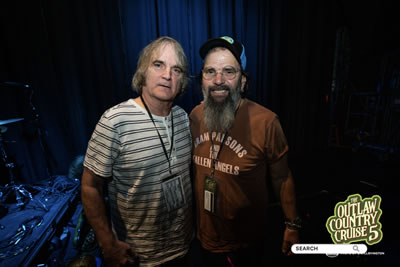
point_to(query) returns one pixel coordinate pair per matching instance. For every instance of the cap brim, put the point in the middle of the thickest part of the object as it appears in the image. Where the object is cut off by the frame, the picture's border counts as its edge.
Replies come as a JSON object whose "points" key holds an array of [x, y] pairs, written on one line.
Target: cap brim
{"points": [[210, 44]]}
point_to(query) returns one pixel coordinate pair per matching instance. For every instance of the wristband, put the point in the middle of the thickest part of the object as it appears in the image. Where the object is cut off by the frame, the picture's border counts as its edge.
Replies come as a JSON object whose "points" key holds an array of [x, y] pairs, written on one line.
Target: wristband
{"points": [[294, 224]]}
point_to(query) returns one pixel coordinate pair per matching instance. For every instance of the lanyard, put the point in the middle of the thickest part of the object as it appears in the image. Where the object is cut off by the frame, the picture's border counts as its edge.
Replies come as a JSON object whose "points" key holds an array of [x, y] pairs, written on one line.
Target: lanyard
{"points": [[159, 136], [215, 160]]}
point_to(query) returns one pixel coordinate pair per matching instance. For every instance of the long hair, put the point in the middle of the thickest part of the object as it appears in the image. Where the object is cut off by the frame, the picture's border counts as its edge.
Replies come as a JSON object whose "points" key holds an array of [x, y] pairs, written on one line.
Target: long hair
{"points": [[146, 56]]}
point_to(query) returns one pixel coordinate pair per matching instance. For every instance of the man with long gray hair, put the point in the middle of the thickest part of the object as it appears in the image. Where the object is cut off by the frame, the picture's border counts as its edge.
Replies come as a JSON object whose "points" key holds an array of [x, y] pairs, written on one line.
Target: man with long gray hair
{"points": [[141, 150]]}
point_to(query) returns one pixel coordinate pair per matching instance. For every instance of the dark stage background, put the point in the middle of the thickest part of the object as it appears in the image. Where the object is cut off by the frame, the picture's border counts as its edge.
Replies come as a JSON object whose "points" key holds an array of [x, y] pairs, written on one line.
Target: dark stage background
{"points": [[330, 69]]}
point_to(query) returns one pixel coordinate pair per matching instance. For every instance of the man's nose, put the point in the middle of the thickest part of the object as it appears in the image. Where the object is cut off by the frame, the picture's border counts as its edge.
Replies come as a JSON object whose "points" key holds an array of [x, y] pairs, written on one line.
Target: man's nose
{"points": [[167, 73], [219, 78]]}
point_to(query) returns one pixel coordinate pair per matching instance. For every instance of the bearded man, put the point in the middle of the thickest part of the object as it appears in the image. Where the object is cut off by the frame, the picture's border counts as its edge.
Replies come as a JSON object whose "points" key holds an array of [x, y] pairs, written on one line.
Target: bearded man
{"points": [[237, 146]]}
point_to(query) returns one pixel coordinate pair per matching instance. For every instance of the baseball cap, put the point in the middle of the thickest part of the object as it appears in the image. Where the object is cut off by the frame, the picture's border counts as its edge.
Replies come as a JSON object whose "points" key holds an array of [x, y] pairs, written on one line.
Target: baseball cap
{"points": [[235, 47]]}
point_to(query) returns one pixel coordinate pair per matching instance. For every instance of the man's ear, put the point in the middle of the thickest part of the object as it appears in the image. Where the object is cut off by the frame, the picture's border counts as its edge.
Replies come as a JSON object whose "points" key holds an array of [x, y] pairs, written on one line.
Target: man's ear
{"points": [[244, 80]]}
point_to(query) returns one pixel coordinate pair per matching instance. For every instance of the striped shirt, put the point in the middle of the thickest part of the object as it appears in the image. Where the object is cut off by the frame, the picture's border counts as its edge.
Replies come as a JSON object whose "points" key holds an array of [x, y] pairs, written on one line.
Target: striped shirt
{"points": [[125, 146]]}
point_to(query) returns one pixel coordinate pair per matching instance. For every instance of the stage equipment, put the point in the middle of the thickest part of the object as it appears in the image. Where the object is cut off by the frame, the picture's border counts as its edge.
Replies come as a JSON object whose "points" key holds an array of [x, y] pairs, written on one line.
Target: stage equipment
{"points": [[35, 120], [29, 235], [19, 190], [4, 122]]}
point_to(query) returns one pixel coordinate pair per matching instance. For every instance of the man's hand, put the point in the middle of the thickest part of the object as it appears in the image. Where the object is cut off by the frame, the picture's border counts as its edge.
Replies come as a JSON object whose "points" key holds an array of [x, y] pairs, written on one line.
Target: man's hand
{"points": [[119, 254], [290, 237]]}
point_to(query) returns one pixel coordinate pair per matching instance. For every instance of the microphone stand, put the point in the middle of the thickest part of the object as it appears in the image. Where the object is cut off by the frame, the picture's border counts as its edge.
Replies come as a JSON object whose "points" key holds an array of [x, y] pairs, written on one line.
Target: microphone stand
{"points": [[38, 128], [19, 190]]}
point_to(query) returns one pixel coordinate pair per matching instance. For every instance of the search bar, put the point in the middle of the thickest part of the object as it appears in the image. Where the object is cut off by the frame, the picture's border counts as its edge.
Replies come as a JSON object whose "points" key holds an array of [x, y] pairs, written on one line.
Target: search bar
{"points": [[329, 249]]}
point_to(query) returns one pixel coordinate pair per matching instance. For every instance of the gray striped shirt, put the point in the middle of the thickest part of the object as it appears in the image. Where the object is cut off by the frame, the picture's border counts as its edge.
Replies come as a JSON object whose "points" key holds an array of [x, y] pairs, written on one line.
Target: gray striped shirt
{"points": [[126, 147]]}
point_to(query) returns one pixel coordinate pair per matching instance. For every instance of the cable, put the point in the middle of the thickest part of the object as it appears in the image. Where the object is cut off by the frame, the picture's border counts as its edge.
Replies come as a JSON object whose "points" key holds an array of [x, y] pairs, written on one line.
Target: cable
{"points": [[14, 243]]}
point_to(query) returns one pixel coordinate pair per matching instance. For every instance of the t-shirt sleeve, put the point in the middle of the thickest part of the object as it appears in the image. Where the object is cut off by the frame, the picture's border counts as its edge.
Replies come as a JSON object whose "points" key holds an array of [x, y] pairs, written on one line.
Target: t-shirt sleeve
{"points": [[103, 148], [276, 144]]}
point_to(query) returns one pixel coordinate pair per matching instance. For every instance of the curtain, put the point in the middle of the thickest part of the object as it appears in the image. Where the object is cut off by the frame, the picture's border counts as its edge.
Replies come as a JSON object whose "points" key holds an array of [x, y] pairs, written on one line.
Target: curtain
{"points": [[189, 22], [78, 58], [71, 54]]}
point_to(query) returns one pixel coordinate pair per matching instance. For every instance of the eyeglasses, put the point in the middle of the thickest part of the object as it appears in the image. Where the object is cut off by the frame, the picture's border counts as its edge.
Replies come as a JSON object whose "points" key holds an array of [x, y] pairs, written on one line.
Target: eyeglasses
{"points": [[227, 73]]}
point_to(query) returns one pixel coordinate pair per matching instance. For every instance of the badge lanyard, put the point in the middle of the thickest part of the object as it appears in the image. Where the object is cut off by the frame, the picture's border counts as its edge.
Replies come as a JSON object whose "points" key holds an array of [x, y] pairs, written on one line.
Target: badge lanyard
{"points": [[159, 136], [215, 160]]}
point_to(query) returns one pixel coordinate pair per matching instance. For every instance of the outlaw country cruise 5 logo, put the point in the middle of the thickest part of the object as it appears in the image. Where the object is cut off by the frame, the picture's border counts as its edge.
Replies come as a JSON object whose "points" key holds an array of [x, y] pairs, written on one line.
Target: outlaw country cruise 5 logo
{"points": [[355, 220]]}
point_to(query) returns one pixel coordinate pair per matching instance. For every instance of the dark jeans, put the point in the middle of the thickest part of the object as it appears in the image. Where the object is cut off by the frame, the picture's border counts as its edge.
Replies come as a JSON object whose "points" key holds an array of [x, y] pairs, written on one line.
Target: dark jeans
{"points": [[248, 257], [199, 257], [178, 262]]}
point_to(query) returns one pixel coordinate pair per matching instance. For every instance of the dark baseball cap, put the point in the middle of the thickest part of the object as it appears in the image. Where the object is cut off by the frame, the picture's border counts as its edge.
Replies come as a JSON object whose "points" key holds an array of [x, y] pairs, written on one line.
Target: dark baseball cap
{"points": [[235, 47]]}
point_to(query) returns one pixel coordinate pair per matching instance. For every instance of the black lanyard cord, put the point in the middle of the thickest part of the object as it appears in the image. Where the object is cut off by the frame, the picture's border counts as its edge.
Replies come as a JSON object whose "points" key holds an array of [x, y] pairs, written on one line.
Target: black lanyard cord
{"points": [[159, 136], [215, 160]]}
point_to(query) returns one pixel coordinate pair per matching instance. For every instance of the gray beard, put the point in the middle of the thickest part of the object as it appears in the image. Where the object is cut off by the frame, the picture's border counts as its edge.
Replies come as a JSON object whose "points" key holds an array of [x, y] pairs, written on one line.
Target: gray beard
{"points": [[220, 116]]}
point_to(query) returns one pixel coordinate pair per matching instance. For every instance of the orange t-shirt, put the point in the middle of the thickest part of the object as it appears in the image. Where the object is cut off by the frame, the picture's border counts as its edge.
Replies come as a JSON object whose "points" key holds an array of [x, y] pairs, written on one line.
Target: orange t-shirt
{"points": [[255, 141]]}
